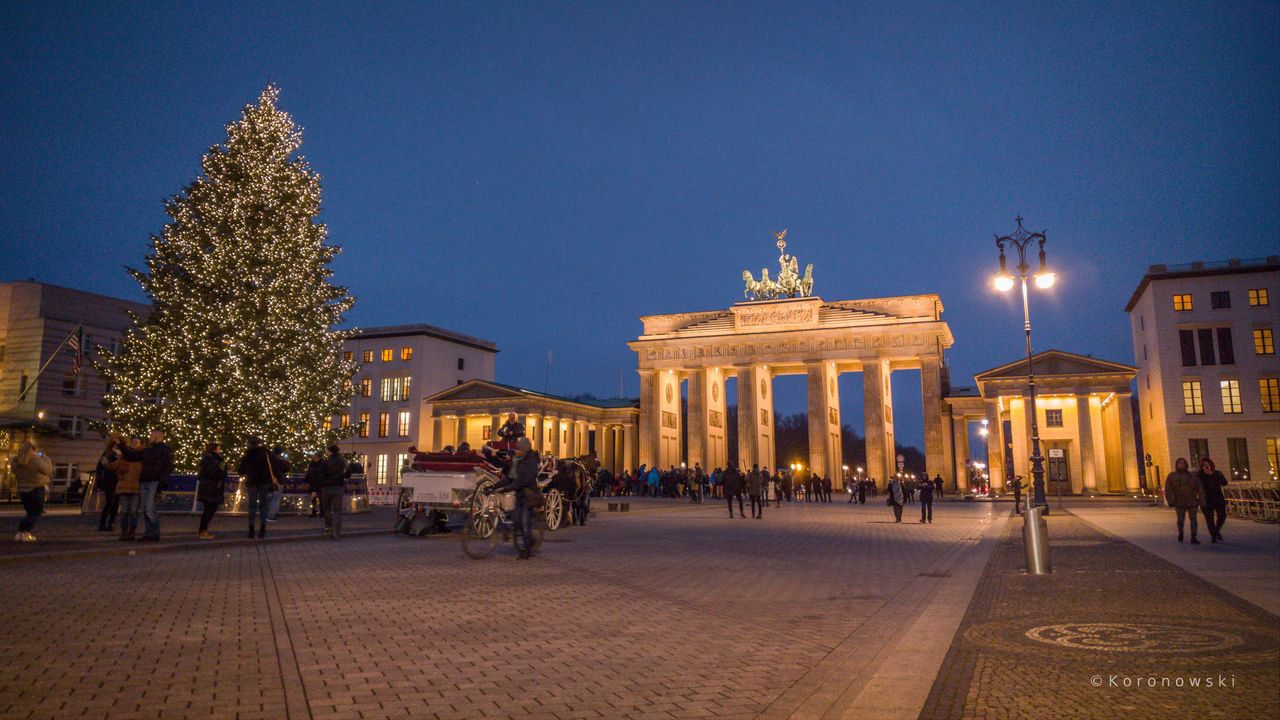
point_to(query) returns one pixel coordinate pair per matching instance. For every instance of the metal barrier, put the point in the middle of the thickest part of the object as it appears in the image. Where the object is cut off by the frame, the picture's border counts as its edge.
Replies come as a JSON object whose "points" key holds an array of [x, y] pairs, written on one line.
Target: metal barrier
{"points": [[180, 497], [1254, 500]]}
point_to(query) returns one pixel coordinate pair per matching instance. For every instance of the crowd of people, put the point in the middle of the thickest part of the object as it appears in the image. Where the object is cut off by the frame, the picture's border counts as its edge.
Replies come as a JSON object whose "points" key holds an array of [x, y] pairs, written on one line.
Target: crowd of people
{"points": [[132, 475]]}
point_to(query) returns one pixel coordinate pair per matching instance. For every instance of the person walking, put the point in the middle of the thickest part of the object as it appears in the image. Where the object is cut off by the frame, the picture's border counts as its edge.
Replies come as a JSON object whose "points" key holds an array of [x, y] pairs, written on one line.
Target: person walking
{"points": [[937, 485], [755, 482], [256, 478], [733, 488], [1016, 485], [926, 501], [895, 498], [826, 488], [211, 485], [33, 474], [106, 482], [862, 491], [1214, 502], [776, 480], [153, 478], [1184, 493], [330, 484], [522, 477], [315, 473]]}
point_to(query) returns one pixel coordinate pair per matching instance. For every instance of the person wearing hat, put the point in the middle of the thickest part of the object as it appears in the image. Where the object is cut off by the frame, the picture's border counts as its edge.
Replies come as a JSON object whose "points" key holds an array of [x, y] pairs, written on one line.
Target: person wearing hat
{"points": [[522, 476]]}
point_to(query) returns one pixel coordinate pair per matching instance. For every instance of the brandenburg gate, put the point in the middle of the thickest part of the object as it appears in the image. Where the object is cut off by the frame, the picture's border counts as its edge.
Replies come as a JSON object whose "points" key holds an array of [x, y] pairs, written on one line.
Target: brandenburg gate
{"points": [[783, 329]]}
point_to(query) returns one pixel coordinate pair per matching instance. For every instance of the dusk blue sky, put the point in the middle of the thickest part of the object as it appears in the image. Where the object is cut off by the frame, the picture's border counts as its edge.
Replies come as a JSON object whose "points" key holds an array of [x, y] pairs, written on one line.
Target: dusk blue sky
{"points": [[542, 174]]}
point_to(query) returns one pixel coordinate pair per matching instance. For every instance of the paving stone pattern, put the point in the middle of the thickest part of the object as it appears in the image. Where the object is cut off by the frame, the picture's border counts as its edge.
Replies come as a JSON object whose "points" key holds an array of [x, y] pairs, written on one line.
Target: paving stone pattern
{"points": [[1052, 647], [672, 611]]}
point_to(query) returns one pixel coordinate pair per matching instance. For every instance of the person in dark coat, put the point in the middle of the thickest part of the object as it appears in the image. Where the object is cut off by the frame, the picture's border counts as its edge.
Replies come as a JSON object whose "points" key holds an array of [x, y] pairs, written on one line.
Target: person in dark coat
{"points": [[522, 477], [1212, 481], [733, 488], [106, 480], [280, 468], [1184, 493], [896, 498], [157, 466], [926, 501], [256, 478], [331, 483], [755, 480], [512, 429], [937, 485], [211, 484], [826, 488], [315, 473]]}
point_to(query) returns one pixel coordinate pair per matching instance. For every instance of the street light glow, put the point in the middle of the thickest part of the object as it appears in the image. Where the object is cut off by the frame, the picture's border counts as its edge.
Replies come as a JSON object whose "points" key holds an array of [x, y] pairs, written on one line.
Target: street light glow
{"points": [[1043, 280], [1004, 283]]}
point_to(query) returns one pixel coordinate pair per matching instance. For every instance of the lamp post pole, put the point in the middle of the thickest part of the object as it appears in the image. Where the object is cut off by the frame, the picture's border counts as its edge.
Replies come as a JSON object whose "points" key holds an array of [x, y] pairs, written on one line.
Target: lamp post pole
{"points": [[1033, 533]]}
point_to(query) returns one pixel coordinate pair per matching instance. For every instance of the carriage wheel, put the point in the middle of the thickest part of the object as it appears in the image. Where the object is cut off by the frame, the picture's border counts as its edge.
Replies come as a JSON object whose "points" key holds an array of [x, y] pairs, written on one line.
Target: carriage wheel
{"points": [[554, 509], [484, 510]]}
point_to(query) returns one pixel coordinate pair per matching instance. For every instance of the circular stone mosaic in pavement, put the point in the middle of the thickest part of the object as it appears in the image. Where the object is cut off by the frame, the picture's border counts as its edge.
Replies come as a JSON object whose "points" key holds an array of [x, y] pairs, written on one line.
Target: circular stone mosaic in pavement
{"points": [[1171, 642]]}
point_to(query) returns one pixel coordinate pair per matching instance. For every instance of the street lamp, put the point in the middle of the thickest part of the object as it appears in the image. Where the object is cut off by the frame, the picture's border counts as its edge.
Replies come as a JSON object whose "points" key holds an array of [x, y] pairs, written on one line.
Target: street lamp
{"points": [[1033, 533]]}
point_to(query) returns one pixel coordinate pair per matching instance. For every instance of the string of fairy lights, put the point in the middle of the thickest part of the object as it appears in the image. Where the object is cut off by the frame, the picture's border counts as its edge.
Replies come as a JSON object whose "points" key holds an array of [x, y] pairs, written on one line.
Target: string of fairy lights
{"points": [[240, 341]]}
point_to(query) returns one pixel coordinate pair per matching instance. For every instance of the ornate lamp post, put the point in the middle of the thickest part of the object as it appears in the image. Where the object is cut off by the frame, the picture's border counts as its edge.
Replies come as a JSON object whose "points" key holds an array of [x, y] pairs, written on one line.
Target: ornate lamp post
{"points": [[1034, 535]]}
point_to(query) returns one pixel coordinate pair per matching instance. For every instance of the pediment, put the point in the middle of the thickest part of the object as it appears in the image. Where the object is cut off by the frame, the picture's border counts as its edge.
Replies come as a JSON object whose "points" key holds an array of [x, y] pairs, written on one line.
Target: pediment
{"points": [[475, 390], [1056, 363]]}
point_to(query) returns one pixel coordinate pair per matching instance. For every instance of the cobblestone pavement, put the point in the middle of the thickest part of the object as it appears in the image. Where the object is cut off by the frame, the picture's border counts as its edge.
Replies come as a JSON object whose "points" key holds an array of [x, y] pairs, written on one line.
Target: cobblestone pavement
{"points": [[672, 611], [66, 535], [1114, 632]]}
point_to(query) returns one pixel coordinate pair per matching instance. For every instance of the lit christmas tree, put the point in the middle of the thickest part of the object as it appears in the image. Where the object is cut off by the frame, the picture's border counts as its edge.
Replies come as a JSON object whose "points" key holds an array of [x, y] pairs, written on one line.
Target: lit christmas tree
{"points": [[240, 340]]}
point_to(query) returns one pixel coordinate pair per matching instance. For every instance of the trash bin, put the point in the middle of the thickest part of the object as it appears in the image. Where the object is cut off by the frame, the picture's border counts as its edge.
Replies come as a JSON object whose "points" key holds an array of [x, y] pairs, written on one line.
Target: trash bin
{"points": [[1035, 539]]}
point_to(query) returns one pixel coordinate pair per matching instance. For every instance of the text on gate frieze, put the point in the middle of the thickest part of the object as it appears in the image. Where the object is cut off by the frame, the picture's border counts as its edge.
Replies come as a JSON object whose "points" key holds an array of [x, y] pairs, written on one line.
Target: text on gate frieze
{"points": [[775, 316]]}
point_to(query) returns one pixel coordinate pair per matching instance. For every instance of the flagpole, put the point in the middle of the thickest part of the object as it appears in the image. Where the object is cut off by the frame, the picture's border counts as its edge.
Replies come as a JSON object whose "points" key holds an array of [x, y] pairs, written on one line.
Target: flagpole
{"points": [[53, 355]]}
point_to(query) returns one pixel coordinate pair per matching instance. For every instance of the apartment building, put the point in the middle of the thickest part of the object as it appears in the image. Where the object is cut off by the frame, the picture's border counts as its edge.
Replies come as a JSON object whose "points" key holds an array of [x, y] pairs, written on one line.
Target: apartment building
{"points": [[55, 408], [400, 365], [1204, 342]]}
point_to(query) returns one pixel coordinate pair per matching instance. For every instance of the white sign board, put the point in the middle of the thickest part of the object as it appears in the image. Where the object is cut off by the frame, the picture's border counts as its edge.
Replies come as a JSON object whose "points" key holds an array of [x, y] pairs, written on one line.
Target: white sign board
{"points": [[1055, 452]]}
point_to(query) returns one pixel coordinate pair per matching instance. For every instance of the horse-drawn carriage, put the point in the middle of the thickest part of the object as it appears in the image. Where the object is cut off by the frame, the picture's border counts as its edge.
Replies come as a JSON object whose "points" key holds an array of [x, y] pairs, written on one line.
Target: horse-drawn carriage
{"points": [[442, 491]]}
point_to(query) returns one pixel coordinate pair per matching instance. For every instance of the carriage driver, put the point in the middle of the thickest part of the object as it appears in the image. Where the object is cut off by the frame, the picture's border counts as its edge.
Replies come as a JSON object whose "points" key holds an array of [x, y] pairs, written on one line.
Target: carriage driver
{"points": [[511, 429], [522, 476]]}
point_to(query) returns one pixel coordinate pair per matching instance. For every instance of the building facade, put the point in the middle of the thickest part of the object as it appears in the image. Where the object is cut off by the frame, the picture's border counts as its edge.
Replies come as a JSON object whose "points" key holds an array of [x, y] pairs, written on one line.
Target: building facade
{"points": [[54, 409], [473, 411], [400, 366], [1084, 417], [1204, 341]]}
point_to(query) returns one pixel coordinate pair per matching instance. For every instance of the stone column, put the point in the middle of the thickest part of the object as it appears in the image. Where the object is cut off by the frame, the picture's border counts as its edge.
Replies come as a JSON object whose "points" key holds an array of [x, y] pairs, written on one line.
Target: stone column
{"points": [[697, 416], [748, 419], [1084, 430], [426, 429], [650, 414], [824, 422], [495, 422], [995, 445], [877, 416], [571, 439], [1020, 427], [931, 398], [605, 449], [1128, 450], [718, 435], [554, 445], [630, 450], [462, 431], [960, 438]]}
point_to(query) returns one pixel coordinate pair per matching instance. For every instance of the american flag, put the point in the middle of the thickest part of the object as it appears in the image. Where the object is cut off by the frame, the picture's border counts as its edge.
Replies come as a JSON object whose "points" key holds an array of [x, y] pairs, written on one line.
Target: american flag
{"points": [[77, 350]]}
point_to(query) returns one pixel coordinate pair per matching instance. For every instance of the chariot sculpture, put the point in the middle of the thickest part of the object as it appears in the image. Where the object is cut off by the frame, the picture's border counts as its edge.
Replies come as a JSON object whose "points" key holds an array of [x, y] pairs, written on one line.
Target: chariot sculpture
{"points": [[789, 283]]}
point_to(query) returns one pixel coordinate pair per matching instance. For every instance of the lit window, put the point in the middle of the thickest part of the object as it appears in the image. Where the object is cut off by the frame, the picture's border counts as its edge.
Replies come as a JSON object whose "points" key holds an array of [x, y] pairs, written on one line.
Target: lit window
{"points": [[406, 353], [1053, 418], [1230, 396], [344, 421], [1259, 297], [402, 464], [382, 469], [366, 387], [404, 389], [326, 424], [366, 356], [348, 356], [1238, 458], [1182, 302], [1192, 401], [394, 389], [1219, 299], [1269, 389], [384, 424], [386, 355], [1264, 342], [364, 425], [403, 426]]}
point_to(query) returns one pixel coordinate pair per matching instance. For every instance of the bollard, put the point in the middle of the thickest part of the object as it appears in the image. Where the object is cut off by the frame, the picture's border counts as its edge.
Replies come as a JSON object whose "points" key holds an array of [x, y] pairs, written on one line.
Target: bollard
{"points": [[1035, 539]]}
